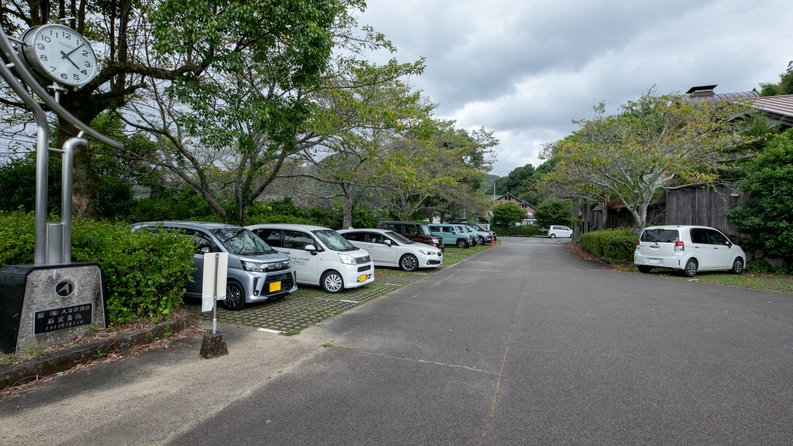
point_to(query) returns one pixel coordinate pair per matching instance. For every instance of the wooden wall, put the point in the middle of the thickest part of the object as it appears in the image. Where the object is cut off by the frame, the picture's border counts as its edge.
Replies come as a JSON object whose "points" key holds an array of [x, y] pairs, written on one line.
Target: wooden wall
{"points": [[703, 206], [690, 206]]}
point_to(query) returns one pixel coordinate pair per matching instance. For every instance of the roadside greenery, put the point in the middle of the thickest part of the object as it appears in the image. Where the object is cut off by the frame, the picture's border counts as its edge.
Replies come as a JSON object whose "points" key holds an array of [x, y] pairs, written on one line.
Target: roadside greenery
{"points": [[767, 218], [145, 271], [507, 214], [517, 231], [554, 211], [655, 142], [613, 245]]}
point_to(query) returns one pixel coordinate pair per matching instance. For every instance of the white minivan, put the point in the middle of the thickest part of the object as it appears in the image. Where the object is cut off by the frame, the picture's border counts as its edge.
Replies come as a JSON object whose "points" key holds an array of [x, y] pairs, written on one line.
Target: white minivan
{"points": [[320, 256]]}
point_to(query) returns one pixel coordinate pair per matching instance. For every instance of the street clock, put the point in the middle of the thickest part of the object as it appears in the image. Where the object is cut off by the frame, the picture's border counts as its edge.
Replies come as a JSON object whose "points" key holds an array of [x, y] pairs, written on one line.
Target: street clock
{"points": [[59, 53]]}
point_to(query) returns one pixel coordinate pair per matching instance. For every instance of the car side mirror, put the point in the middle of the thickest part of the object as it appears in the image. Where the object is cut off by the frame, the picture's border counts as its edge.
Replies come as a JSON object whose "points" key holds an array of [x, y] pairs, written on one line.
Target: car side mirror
{"points": [[312, 249], [206, 249], [387, 242]]}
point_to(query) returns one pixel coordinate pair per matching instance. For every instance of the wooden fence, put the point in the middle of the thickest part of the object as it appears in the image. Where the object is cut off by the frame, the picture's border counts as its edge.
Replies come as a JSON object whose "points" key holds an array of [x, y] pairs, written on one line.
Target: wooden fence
{"points": [[690, 206]]}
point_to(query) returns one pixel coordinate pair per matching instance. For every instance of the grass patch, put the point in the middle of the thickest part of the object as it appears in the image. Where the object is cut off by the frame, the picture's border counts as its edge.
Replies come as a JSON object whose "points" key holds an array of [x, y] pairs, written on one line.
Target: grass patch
{"points": [[7, 359], [774, 283], [454, 255], [291, 333]]}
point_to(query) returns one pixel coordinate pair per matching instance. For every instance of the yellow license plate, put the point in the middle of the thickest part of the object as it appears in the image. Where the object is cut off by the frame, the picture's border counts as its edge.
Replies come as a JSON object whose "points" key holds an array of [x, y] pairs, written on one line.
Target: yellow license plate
{"points": [[362, 278], [275, 286]]}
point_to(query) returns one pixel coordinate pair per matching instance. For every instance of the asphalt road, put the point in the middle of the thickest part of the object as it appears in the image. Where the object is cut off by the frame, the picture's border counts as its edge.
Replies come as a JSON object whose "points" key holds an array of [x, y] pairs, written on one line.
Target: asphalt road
{"points": [[521, 344]]}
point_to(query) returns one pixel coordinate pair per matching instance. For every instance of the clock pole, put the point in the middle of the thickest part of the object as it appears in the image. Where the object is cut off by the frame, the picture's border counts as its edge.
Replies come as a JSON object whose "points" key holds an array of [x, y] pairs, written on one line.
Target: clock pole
{"points": [[35, 295]]}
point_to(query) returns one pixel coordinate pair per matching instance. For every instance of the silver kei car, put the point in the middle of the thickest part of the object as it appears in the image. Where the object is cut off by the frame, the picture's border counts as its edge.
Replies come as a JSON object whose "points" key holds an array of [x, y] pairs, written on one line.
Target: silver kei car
{"points": [[256, 272], [689, 249]]}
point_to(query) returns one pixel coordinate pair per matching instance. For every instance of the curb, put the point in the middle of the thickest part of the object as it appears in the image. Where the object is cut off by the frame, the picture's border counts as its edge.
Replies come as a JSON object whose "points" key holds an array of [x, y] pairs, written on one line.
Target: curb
{"points": [[63, 360]]}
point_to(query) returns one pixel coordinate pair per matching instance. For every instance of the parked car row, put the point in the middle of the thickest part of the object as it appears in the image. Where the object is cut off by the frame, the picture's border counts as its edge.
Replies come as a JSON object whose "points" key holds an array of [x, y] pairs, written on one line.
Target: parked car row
{"points": [[268, 261]]}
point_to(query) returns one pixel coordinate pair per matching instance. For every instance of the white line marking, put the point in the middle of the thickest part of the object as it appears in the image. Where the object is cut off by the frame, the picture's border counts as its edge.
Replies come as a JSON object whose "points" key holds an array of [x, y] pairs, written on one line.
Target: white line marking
{"points": [[267, 330]]}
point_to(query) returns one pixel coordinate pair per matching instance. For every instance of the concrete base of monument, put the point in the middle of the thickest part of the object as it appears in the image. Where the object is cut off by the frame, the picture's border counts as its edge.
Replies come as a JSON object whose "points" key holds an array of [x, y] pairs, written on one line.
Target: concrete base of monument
{"points": [[214, 345], [47, 304]]}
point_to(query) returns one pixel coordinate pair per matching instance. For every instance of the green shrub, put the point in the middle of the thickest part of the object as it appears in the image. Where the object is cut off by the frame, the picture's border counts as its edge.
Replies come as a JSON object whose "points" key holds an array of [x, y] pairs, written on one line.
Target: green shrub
{"points": [[758, 266], [17, 238], [614, 245], [145, 271], [519, 231]]}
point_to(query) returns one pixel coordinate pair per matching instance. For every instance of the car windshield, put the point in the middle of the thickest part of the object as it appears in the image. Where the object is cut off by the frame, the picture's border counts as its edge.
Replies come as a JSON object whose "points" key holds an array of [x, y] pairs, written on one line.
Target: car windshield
{"points": [[333, 240], [424, 230], [660, 235], [241, 241], [399, 238]]}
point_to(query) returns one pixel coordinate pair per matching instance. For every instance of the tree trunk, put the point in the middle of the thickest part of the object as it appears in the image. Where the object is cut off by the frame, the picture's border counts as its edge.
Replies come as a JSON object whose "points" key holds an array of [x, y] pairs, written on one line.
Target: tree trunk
{"points": [[348, 208]]}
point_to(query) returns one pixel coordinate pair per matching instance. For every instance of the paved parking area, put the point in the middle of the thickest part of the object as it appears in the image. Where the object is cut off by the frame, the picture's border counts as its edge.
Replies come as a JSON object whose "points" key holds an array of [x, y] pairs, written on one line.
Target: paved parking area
{"points": [[308, 305]]}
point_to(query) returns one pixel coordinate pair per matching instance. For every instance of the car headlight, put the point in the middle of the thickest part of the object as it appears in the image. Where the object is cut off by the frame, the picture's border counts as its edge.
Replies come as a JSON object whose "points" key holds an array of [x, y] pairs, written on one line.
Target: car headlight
{"points": [[347, 260], [260, 267], [427, 252]]}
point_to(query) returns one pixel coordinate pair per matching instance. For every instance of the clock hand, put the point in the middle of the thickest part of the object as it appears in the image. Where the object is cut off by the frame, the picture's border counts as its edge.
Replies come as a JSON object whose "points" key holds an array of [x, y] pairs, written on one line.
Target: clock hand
{"points": [[66, 56], [70, 52]]}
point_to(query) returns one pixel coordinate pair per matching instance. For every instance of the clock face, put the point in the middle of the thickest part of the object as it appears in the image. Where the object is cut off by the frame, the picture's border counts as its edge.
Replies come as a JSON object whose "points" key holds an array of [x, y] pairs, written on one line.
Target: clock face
{"points": [[61, 54]]}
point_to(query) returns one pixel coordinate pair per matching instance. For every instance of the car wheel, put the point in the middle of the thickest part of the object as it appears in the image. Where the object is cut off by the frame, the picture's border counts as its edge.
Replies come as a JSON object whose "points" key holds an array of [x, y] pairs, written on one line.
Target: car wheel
{"points": [[691, 268], [235, 296], [462, 243], [409, 262], [481, 240], [552, 236], [737, 266], [332, 282], [645, 268]]}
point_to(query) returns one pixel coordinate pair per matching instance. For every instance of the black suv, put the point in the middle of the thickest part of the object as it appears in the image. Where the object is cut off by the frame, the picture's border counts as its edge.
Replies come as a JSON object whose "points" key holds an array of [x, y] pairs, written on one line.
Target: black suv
{"points": [[417, 232]]}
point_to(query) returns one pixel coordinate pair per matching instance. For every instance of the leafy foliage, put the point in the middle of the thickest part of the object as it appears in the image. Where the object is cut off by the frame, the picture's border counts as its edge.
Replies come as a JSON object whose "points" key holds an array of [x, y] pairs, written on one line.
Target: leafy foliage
{"points": [[523, 230], [614, 245], [17, 239], [785, 85], [655, 142], [18, 183], [768, 217], [508, 213], [145, 272], [553, 211]]}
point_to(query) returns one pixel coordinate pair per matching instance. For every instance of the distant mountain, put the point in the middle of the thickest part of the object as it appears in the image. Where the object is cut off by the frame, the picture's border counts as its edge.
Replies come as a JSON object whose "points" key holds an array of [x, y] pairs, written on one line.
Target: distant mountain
{"points": [[487, 187]]}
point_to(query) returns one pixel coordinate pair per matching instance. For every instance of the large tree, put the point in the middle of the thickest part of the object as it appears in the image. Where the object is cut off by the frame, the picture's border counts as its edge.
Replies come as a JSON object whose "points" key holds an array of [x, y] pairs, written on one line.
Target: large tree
{"points": [[655, 142], [363, 107], [193, 50], [768, 216]]}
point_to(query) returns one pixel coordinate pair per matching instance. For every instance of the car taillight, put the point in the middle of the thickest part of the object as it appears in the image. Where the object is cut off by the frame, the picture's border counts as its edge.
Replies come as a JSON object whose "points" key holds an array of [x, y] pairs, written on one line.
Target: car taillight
{"points": [[679, 246]]}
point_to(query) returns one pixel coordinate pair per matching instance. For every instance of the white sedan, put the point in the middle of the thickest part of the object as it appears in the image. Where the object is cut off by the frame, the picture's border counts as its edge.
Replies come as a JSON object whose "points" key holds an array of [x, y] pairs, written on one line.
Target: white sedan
{"points": [[388, 248]]}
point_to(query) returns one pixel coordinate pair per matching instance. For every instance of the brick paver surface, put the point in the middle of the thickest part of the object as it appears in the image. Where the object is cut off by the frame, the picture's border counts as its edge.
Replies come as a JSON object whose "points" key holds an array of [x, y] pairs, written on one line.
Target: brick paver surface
{"points": [[308, 305]]}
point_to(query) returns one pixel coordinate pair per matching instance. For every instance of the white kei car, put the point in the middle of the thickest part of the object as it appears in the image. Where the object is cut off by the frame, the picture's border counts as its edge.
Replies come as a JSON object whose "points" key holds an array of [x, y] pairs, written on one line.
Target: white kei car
{"points": [[320, 256], [689, 249], [559, 231], [389, 248]]}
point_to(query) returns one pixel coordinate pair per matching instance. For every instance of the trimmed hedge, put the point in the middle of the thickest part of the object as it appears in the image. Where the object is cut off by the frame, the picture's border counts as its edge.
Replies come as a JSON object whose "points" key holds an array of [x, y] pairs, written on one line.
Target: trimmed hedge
{"points": [[145, 271], [614, 245], [525, 231]]}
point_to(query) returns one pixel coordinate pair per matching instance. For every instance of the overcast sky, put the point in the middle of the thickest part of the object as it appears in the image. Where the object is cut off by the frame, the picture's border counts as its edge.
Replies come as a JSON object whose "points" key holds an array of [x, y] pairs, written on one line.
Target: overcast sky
{"points": [[525, 68]]}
